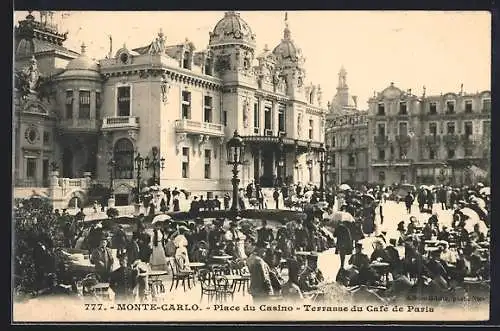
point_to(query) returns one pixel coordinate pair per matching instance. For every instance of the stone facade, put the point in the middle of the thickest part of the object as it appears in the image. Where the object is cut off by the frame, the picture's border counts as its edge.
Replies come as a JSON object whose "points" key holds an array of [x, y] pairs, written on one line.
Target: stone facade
{"points": [[429, 139], [181, 102]]}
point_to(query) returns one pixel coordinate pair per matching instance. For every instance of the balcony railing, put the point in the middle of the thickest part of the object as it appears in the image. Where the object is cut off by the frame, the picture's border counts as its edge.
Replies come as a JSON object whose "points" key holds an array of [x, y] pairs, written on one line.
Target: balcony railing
{"points": [[120, 123], [432, 140], [380, 140], [79, 124], [32, 183], [195, 127]]}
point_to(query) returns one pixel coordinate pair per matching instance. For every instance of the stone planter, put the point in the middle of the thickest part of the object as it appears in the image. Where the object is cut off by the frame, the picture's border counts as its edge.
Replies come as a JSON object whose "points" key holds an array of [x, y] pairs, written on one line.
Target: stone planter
{"points": [[54, 173], [111, 203]]}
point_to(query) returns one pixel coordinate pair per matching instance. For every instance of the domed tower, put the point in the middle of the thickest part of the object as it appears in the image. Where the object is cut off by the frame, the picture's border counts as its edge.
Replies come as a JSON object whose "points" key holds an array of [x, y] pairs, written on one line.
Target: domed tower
{"points": [[290, 62], [79, 88], [232, 43]]}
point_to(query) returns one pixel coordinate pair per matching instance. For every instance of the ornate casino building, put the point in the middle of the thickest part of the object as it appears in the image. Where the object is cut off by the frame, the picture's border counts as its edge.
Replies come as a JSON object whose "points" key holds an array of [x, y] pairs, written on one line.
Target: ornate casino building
{"points": [[79, 121]]}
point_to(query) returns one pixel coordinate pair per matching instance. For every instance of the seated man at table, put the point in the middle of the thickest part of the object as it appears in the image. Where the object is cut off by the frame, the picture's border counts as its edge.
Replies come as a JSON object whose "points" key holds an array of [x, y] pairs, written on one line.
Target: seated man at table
{"points": [[444, 234], [393, 257], [361, 262], [102, 258], [435, 266], [476, 235], [264, 234], [447, 256], [123, 280], [412, 227], [379, 253]]}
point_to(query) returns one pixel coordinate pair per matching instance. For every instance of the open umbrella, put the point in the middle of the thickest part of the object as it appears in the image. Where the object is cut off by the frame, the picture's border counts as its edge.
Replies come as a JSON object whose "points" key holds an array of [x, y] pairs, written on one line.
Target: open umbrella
{"points": [[161, 218], [478, 201], [342, 216], [481, 212], [479, 185], [424, 187], [485, 191], [344, 187]]}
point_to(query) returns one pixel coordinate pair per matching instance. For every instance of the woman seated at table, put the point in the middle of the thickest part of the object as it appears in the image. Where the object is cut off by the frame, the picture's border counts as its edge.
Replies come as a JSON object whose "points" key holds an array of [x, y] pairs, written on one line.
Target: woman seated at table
{"points": [[447, 256], [310, 277], [291, 291], [428, 231]]}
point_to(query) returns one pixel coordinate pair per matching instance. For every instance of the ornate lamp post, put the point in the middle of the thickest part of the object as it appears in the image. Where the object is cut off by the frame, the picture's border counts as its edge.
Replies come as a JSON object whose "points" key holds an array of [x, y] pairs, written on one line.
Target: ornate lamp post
{"points": [[281, 162], [112, 169], [235, 153], [156, 162], [321, 160], [139, 163]]}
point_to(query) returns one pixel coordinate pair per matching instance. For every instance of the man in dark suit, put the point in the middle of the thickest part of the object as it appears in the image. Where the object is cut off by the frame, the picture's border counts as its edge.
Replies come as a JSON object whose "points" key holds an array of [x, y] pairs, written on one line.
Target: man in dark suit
{"points": [[276, 197], [168, 196], [264, 234], [361, 262], [123, 280], [102, 258], [133, 251], [344, 242]]}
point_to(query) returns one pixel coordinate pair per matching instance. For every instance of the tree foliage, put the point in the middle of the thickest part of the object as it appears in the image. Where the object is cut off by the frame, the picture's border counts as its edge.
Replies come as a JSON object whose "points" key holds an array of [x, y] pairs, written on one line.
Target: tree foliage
{"points": [[37, 241]]}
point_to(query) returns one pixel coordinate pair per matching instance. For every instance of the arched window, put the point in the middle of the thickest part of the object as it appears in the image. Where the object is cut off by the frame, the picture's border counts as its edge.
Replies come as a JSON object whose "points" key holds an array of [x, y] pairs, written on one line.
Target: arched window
{"points": [[124, 158]]}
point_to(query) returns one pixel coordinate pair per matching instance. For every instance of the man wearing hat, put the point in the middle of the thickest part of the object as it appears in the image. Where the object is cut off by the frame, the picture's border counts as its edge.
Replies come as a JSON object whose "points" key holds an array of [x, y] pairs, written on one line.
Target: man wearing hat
{"points": [[102, 258], [260, 281], [361, 263], [236, 240], [216, 236], [264, 234], [311, 277], [123, 280]]}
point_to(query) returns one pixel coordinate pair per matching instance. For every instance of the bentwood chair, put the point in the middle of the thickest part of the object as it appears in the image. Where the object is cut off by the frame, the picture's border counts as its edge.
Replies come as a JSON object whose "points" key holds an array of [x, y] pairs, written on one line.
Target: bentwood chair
{"points": [[179, 276], [223, 289], [207, 282]]}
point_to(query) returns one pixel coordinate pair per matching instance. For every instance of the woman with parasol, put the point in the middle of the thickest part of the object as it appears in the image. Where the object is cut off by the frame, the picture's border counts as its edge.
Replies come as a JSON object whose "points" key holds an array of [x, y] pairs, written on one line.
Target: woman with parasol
{"points": [[158, 258]]}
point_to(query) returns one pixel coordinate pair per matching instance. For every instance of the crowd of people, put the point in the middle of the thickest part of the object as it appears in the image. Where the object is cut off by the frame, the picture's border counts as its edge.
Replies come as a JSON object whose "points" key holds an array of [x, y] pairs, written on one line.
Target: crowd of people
{"points": [[426, 256]]}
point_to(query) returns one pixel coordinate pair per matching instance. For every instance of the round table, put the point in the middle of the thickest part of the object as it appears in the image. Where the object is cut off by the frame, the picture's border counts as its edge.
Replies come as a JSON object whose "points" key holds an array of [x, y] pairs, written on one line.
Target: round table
{"points": [[303, 253], [379, 264], [196, 265], [222, 257]]}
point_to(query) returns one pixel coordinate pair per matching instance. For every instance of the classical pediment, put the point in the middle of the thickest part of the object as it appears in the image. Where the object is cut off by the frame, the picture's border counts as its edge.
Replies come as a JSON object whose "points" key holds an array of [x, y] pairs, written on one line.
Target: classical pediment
{"points": [[35, 106]]}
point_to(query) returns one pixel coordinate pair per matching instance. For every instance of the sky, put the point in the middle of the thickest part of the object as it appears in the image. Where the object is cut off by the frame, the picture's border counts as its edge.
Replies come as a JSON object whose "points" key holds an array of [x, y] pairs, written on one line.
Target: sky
{"points": [[439, 50]]}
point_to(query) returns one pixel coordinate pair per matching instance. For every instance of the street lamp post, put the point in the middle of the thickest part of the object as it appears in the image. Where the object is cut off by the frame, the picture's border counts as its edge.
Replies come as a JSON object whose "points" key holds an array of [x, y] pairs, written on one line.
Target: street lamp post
{"points": [[156, 162], [321, 160], [112, 169], [139, 163], [235, 153], [281, 162]]}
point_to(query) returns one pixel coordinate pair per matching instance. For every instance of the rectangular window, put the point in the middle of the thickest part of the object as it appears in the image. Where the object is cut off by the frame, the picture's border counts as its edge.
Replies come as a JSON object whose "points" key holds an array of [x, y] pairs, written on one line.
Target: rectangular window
{"points": [[333, 160], [403, 128], [432, 108], [185, 162], [381, 176], [432, 154], [333, 141], [486, 105], [352, 160], [450, 107], [45, 171], [403, 108], [468, 152], [281, 118], [123, 100], [256, 117], [468, 128], [208, 158], [433, 128], [69, 105], [310, 175], [468, 106], [381, 129], [186, 105], [208, 109], [451, 153], [224, 117], [381, 154], [450, 128], [46, 138], [186, 60], [381, 109], [267, 118], [486, 128], [208, 67], [30, 168], [311, 125], [84, 105], [98, 105]]}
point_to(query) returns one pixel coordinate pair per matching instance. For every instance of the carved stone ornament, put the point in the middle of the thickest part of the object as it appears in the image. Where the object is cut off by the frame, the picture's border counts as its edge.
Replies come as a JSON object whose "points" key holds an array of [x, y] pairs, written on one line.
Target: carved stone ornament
{"points": [[32, 74], [180, 138], [299, 124], [132, 134], [32, 135], [165, 87], [203, 140], [246, 112]]}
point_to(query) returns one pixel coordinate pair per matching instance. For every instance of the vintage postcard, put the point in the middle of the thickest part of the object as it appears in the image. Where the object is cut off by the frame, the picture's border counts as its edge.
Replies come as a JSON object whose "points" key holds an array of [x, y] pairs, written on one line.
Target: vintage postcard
{"points": [[186, 166]]}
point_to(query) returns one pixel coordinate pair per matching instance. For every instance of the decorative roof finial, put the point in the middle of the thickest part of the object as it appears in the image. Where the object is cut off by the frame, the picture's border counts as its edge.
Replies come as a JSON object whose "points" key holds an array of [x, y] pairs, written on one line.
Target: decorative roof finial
{"points": [[160, 33], [286, 32], [423, 94], [83, 47], [461, 89]]}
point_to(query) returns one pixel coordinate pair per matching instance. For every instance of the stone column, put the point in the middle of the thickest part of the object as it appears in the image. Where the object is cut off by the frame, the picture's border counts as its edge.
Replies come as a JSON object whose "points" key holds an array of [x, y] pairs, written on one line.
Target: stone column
{"points": [[76, 104]]}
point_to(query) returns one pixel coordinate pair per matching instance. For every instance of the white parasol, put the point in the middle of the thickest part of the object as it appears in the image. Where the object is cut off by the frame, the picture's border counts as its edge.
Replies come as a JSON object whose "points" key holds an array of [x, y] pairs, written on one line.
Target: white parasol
{"points": [[480, 202], [424, 187], [161, 218], [342, 216], [473, 219], [344, 187], [485, 191]]}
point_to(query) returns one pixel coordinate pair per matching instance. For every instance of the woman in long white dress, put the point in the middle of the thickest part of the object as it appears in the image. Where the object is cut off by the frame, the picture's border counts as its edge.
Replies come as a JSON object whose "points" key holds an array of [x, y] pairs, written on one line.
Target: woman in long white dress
{"points": [[158, 259], [181, 243], [237, 238]]}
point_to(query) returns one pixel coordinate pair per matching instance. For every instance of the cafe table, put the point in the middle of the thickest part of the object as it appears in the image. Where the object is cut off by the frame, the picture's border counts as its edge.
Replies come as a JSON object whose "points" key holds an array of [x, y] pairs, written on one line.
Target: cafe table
{"points": [[382, 267], [242, 280], [222, 257], [101, 290], [155, 284]]}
